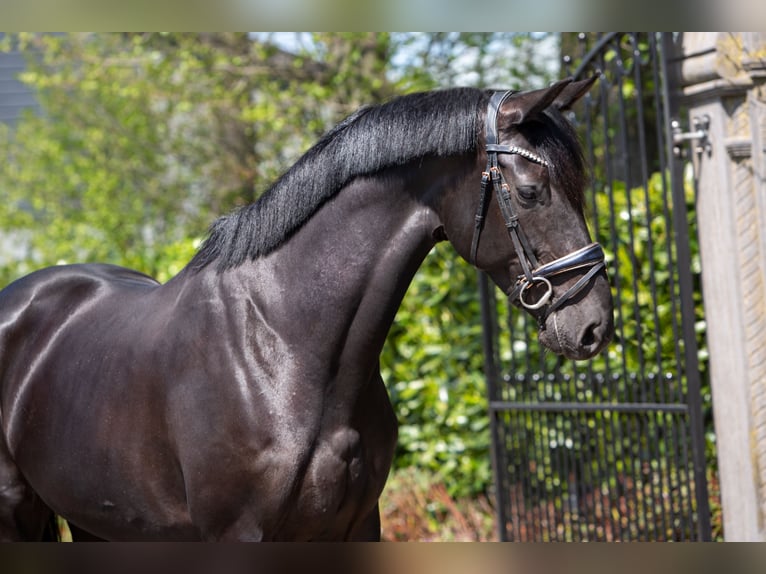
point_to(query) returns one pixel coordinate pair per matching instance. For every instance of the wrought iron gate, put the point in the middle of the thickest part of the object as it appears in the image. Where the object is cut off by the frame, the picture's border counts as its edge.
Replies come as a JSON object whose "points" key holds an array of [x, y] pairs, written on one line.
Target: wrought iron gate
{"points": [[612, 449]]}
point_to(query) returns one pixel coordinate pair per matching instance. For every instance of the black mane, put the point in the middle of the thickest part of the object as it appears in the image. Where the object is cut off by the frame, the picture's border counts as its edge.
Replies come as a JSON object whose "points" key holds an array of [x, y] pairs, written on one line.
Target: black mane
{"points": [[442, 122], [436, 123]]}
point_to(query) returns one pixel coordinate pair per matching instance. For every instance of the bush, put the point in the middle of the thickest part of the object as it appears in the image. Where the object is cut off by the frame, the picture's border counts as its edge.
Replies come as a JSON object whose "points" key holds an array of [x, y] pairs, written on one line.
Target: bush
{"points": [[433, 366]]}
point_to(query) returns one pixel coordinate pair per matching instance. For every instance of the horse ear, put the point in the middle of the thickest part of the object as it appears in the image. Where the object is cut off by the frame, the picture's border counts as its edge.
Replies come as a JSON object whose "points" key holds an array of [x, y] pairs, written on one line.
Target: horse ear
{"points": [[562, 95], [573, 92], [525, 105]]}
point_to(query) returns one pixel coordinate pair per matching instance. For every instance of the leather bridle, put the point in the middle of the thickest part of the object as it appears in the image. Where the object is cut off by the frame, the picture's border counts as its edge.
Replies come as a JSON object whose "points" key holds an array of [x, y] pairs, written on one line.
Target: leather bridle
{"points": [[590, 257]]}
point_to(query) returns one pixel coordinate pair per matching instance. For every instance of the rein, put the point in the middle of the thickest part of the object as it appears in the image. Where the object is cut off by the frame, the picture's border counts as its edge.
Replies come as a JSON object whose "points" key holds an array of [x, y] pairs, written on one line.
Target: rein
{"points": [[589, 257]]}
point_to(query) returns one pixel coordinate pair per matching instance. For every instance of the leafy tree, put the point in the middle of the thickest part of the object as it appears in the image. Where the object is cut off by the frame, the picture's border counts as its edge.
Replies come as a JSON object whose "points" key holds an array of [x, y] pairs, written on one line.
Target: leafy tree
{"points": [[145, 137]]}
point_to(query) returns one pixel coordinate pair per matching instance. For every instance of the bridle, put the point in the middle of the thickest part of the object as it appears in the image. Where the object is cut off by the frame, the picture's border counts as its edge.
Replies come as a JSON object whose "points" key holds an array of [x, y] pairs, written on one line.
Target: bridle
{"points": [[590, 257]]}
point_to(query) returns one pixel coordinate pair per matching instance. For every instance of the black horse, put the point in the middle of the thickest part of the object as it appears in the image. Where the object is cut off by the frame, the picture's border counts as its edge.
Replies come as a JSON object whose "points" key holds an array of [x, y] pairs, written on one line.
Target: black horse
{"points": [[242, 400]]}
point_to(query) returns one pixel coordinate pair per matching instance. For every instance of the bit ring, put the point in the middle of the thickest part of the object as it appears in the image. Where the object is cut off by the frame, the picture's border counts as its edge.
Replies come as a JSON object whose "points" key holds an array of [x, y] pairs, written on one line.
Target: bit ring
{"points": [[542, 300]]}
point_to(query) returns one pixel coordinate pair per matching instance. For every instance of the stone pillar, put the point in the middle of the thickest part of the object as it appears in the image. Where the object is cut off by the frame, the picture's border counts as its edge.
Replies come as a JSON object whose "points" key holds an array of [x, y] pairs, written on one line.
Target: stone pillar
{"points": [[724, 76]]}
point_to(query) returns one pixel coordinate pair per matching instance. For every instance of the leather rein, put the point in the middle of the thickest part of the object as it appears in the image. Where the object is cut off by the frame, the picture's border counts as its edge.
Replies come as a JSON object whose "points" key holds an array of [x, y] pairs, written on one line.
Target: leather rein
{"points": [[590, 257]]}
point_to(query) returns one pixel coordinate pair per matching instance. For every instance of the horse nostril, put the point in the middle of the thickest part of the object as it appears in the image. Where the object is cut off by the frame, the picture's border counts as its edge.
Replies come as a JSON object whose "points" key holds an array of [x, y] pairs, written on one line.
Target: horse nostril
{"points": [[588, 338]]}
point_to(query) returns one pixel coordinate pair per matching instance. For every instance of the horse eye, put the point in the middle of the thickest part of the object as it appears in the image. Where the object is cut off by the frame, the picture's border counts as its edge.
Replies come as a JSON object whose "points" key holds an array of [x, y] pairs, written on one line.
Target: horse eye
{"points": [[528, 192]]}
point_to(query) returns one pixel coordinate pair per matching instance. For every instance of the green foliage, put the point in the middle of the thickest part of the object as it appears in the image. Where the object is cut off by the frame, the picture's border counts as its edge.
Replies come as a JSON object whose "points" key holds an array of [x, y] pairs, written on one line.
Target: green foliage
{"points": [[643, 264], [145, 138], [433, 364], [106, 173]]}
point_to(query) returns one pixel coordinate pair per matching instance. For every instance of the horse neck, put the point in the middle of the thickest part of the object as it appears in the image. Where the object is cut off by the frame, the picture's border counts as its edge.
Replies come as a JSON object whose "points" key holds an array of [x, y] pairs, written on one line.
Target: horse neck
{"points": [[334, 287]]}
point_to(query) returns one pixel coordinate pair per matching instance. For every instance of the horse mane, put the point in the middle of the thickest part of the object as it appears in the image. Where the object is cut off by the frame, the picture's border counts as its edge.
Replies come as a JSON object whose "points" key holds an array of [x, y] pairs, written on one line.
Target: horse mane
{"points": [[440, 123], [436, 123]]}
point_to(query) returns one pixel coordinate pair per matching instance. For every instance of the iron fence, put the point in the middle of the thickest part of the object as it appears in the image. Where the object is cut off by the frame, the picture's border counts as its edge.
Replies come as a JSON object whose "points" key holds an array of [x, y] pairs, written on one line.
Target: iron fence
{"points": [[613, 448]]}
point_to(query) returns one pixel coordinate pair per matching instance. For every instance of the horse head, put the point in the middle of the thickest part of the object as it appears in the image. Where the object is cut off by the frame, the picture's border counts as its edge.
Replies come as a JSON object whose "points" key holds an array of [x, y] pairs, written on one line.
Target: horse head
{"points": [[528, 232]]}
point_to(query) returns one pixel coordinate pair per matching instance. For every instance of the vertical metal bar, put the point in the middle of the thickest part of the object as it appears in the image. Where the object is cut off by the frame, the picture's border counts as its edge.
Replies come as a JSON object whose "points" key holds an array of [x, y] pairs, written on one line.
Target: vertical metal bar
{"points": [[671, 70], [599, 385], [541, 509], [594, 499], [687, 515], [640, 121], [663, 137], [510, 485], [566, 471], [590, 490], [637, 178], [576, 452], [489, 322], [608, 470], [651, 424], [614, 239], [545, 522], [603, 386], [599, 514], [535, 531], [664, 141], [520, 481], [559, 491], [508, 480], [616, 443], [671, 463]]}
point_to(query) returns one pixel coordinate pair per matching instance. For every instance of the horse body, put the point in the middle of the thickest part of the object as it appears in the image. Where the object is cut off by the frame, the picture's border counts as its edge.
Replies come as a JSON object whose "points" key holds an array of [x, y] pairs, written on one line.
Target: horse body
{"points": [[242, 399], [303, 397]]}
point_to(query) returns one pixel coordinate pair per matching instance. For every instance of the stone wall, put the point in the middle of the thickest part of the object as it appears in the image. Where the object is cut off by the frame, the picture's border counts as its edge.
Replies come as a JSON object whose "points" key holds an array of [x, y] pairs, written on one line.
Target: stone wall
{"points": [[724, 76]]}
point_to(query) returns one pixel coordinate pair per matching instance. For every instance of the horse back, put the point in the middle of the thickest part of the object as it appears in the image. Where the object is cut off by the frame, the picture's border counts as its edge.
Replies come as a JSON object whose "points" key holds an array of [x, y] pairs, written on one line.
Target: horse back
{"points": [[51, 313], [36, 307]]}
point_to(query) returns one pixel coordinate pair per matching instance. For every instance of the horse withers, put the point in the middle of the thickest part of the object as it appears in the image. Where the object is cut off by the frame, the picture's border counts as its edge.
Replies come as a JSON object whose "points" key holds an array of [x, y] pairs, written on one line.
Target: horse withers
{"points": [[242, 399]]}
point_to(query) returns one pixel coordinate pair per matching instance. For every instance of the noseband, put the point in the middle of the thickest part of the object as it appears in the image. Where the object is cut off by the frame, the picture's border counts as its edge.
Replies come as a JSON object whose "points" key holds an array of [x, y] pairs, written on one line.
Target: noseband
{"points": [[590, 257]]}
